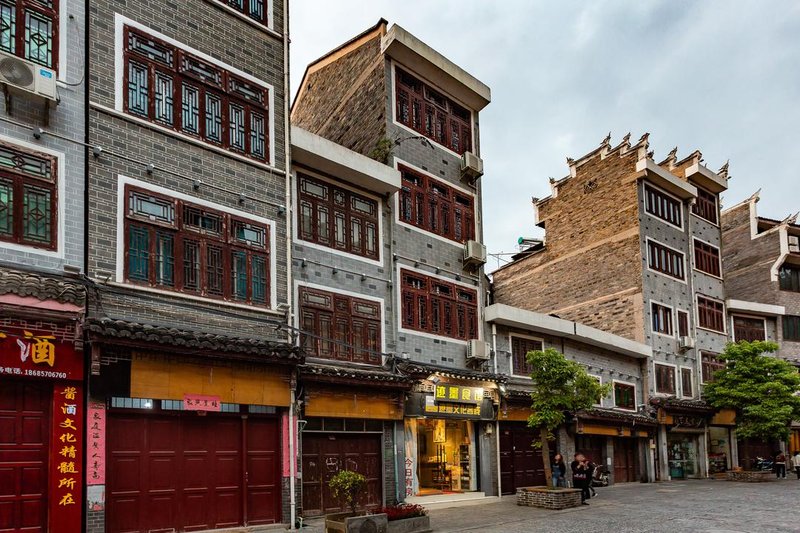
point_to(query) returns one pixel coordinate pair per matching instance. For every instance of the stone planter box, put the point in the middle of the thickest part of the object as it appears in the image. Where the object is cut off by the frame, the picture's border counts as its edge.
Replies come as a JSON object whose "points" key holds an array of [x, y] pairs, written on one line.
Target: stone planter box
{"points": [[418, 524], [548, 499], [358, 523], [750, 476]]}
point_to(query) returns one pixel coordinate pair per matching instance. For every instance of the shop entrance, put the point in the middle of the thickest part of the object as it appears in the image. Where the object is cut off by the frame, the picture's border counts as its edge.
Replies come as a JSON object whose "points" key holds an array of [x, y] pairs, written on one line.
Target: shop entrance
{"points": [[521, 464], [625, 460], [719, 449], [446, 456], [682, 456]]}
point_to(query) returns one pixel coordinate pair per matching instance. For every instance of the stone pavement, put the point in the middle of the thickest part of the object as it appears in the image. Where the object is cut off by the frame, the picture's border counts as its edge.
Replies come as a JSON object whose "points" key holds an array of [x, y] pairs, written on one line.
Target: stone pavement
{"points": [[710, 506]]}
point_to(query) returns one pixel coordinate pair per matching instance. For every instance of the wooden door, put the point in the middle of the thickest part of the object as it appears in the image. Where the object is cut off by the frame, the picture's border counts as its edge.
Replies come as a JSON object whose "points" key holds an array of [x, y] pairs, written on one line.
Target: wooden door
{"points": [[625, 460], [521, 464], [263, 472], [24, 445]]}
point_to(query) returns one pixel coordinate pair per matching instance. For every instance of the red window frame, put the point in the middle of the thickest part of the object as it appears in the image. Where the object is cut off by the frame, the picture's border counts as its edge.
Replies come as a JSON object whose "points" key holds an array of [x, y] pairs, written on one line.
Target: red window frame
{"points": [[520, 347], [24, 171], [339, 327], [706, 258], [710, 363], [207, 81], [44, 9], [749, 329], [243, 7], [710, 314], [435, 306], [687, 383], [212, 255], [429, 112], [662, 206], [665, 379], [320, 216], [624, 396], [705, 206], [433, 205], [665, 260], [661, 319]]}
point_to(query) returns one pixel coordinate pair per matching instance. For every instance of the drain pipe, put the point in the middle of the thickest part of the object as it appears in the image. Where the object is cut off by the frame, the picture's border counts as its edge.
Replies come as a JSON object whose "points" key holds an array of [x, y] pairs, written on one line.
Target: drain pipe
{"points": [[497, 423], [292, 454]]}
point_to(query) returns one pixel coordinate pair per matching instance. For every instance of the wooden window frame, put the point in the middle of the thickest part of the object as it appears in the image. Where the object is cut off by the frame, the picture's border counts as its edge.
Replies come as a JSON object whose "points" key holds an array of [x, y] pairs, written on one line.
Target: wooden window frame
{"points": [[746, 332], [710, 314], [426, 306], [790, 327], [685, 373], [336, 211], [335, 327], [683, 323], [222, 89], [706, 206], [710, 363], [663, 206], [434, 206], [245, 11], [662, 313], [707, 258], [19, 180], [617, 399], [665, 260], [416, 102], [659, 380], [224, 245], [789, 278], [21, 8], [520, 346]]}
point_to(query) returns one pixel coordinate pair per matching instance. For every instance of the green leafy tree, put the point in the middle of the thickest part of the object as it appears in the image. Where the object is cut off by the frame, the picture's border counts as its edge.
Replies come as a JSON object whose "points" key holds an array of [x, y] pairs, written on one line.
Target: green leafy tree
{"points": [[763, 390], [348, 486], [560, 385]]}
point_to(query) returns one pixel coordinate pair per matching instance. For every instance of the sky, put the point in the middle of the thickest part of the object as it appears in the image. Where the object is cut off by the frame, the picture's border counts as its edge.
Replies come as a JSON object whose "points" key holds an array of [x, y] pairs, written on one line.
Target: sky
{"points": [[722, 77]]}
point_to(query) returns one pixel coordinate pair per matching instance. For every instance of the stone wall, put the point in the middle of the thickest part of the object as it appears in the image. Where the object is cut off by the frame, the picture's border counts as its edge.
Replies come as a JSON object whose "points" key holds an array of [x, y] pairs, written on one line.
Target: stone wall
{"points": [[548, 499]]}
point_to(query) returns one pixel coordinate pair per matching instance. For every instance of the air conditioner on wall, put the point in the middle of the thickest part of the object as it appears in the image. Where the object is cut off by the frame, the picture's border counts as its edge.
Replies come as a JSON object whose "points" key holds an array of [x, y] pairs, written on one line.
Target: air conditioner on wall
{"points": [[19, 76], [478, 350], [474, 253], [794, 244], [685, 343], [471, 166]]}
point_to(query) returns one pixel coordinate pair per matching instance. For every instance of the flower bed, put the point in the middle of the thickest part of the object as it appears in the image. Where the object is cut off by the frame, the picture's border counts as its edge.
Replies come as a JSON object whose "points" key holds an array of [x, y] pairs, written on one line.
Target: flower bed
{"points": [[748, 476], [547, 498], [407, 518]]}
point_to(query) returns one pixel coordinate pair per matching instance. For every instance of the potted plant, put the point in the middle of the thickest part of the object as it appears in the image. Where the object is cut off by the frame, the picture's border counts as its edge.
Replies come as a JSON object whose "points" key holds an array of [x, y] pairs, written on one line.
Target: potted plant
{"points": [[348, 486], [407, 518]]}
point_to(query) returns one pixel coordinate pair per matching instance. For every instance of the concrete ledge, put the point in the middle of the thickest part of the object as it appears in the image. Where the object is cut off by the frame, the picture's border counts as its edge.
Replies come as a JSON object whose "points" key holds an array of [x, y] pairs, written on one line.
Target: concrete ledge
{"points": [[750, 476], [546, 498]]}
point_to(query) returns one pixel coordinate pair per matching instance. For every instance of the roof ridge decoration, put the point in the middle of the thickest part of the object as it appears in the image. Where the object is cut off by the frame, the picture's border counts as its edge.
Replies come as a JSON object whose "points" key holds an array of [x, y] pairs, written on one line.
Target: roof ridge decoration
{"points": [[671, 158], [723, 170], [42, 287]]}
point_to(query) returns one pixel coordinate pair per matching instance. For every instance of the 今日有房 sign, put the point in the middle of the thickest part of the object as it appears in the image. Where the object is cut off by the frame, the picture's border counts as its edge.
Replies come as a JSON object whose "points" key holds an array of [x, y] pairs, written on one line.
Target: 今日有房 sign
{"points": [[201, 402]]}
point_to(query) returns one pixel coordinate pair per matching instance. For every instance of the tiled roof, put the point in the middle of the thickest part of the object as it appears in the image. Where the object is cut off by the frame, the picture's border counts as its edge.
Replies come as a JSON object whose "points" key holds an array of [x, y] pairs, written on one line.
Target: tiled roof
{"points": [[148, 335], [417, 369], [599, 413], [678, 404], [42, 287], [363, 376]]}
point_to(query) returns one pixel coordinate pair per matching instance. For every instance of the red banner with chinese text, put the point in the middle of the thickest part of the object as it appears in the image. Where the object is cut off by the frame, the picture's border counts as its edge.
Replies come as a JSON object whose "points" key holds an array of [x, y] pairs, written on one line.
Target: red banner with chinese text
{"points": [[66, 459], [33, 349]]}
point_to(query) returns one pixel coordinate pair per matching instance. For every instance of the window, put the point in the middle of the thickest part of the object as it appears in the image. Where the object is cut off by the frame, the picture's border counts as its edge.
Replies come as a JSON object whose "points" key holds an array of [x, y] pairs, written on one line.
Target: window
{"points": [[254, 9], [683, 324], [665, 260], [710, 314], [624, 396], [28, 198], [340, 327], [427, 111], [686, 383], [706, 258], [748, 329], [665, 379], [29, 29], [439, 307], [791, 328], [789, 278], [337, 218], [705, 205], [431, 205], [662, 206], [662, 319], [171, 87], [711, 363], [176, 245], [519, 350]]}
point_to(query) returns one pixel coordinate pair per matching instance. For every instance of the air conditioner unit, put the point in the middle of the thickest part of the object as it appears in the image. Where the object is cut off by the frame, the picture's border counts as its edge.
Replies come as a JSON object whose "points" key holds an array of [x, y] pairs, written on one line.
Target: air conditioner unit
{"points": [[474, 253], [20, 76], [471, 166], [794, 244], [685, 343], [478, 350]]}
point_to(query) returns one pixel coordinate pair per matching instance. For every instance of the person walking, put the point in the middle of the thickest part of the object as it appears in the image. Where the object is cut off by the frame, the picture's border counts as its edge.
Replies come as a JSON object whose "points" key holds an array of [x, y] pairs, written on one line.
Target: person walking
{"points": [[796, 463], [580, 476], [559, 471], [780, 465]]}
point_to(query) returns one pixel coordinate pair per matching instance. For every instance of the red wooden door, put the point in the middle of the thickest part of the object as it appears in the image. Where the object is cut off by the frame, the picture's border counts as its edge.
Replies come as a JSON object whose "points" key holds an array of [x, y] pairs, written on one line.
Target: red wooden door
{"points": [[24, 440], [624, 460], [521, 464], [189, 473], [325, 454]]}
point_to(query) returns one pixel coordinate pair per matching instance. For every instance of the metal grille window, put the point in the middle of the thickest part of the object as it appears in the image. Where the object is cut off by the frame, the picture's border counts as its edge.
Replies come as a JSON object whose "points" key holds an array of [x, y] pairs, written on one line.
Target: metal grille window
{"points": [[748, 329], [29, 29], [686, 383], [662, 206], [253, 9], [789, 278], [176, 245], [28, 198], [706, 258], [340, 327], [427, 111], [710, 314], [662, 319], [519, 351], [337, 218], [624, 396], [665, 260], [711, 363], [434, 206], [665, 379], [435, 306], [169, 86], [706, 205]]}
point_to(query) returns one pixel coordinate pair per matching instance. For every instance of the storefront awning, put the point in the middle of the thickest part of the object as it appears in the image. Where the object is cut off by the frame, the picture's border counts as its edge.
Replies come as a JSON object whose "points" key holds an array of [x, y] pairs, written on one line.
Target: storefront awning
{"points": [[360, 376], [616, 417], [683, 405], [424, 370]]}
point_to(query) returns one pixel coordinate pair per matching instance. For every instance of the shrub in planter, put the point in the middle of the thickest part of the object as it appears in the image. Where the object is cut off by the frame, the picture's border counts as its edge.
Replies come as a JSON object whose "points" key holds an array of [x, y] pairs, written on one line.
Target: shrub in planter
{"points": [[348, 486], [402, 511]]}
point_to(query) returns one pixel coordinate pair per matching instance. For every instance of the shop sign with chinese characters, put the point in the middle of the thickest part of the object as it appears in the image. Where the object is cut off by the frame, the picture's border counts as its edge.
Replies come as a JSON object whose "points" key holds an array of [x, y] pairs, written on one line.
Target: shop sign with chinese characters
{"points": [[39, 353], [458, 394], [66, 459], [200, 402], [96, 444], [426, 405]]}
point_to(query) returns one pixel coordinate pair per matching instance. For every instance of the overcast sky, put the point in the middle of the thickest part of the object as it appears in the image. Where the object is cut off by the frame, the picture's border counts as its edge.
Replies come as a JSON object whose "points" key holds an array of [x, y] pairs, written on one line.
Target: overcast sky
{"points": [[722, 77]]}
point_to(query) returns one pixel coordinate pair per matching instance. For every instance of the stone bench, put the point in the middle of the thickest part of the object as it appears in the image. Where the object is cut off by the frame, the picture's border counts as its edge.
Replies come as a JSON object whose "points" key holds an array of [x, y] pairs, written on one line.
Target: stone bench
{"points": [[750, 476], [546, 498]]}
